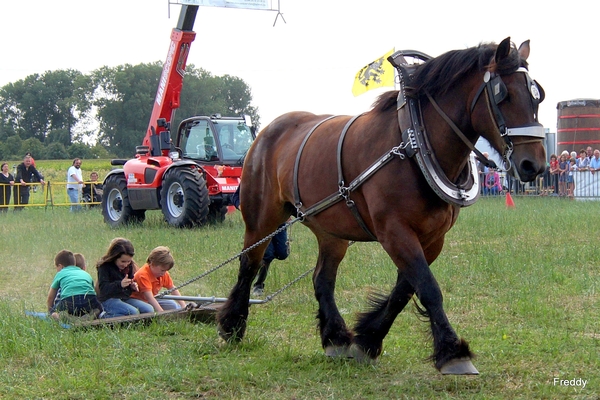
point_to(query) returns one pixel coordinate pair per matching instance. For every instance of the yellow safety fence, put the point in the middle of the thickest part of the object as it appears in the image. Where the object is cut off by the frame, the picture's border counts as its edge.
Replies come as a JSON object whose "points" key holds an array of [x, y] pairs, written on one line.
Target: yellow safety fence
{"points": [[48, 194]]}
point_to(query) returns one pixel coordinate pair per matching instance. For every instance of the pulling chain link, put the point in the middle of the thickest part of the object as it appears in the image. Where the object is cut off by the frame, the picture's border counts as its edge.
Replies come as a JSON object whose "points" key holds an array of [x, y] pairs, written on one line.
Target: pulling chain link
{"points": [[230, 259]]}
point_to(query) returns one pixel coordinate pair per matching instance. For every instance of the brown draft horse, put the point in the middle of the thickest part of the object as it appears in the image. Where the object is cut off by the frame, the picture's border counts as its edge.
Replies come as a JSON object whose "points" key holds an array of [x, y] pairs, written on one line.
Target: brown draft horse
{"points": [[293, 165]]}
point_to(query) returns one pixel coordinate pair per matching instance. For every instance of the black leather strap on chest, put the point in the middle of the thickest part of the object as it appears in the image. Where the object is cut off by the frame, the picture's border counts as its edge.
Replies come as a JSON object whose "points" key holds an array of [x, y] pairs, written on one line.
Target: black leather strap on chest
{"points": [[343, 192], [297, 201]]}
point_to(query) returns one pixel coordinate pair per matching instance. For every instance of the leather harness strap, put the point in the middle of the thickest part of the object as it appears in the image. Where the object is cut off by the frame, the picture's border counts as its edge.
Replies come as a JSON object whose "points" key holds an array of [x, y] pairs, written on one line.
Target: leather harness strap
{"points": [[297, 202], [339, 149], [344, 191], [483, 159]]}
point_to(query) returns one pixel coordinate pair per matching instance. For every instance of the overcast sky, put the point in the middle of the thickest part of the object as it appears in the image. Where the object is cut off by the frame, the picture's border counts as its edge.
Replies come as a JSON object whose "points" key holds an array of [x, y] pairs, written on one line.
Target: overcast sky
{"points": [[309, 62]]}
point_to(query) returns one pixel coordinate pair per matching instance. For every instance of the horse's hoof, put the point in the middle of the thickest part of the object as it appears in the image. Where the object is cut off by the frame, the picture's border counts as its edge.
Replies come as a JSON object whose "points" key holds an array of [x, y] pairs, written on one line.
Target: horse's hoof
{"points": [[336, 351], [226, 336], [359, 355], [459, 366], [229, 337]]}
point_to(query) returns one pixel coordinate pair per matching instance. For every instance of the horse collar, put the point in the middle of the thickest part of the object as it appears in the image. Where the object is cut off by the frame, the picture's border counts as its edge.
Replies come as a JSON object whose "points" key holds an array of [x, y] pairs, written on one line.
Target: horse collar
{"points": [[417, 145]]}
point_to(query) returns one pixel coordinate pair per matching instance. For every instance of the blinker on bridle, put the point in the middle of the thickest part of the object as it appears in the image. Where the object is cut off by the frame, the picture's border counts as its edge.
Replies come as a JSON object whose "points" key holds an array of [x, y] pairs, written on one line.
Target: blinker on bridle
{"points": [[497, 92]]}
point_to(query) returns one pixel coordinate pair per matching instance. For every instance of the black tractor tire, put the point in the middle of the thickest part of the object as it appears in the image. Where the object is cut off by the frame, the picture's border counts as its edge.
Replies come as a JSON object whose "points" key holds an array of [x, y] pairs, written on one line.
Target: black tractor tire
{"points": [[184, 198], [216, 214], [115, 203]]}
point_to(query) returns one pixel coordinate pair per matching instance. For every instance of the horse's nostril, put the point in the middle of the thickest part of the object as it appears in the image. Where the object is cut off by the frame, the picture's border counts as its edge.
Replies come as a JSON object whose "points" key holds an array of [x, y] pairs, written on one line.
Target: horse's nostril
{"points": [[527, 166], [528, 170]]}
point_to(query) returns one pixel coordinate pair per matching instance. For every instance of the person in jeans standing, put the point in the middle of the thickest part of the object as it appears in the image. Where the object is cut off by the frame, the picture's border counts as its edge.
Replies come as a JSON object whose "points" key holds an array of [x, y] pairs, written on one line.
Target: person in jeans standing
{"points": [[26, 172], [74, 184], [278, 248], [6, 181]]}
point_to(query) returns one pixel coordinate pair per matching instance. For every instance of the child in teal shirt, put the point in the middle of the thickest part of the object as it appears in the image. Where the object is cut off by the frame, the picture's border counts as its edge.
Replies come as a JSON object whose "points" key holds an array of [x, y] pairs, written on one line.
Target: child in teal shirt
{"points": [[77, 294]]}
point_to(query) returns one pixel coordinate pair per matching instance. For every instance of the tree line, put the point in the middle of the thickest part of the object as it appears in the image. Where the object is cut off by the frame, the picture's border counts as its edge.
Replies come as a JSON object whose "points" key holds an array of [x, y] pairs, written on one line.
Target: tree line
{"points": [[66, 114]]}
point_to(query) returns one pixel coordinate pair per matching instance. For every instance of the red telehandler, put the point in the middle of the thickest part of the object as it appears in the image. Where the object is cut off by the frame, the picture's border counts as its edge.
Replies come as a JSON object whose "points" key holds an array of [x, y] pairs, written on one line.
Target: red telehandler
{"points": [[190, 179]]}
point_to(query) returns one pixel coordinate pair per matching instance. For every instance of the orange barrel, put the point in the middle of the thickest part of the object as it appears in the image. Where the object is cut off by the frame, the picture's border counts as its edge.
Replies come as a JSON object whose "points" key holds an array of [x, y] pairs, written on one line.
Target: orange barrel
{"points": [[578, 125]]}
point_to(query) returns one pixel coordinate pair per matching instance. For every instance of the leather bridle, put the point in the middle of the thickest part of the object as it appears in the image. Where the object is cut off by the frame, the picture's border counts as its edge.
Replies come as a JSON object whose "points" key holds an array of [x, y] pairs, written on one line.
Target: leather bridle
{"points": [[496, 92]]}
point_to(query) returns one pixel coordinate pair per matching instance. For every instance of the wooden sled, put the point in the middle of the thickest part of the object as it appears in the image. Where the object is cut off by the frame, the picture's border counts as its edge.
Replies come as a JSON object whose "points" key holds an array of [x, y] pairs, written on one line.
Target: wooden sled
{"points": [[204, 313]]}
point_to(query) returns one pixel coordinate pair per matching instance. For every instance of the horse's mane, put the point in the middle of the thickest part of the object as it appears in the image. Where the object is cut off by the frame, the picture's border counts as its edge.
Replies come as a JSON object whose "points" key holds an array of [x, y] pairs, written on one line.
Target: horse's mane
{"points": [[385, 101], [439, 74]]}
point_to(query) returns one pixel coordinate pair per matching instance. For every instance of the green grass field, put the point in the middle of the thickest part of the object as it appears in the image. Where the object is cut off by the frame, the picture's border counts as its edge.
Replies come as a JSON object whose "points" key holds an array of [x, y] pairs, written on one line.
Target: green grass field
{"points": [[521, 285]]}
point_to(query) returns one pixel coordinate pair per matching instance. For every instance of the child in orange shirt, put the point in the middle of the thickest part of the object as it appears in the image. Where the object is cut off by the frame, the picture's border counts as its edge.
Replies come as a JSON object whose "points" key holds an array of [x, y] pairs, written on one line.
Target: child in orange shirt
{"points": [[154, 276]]}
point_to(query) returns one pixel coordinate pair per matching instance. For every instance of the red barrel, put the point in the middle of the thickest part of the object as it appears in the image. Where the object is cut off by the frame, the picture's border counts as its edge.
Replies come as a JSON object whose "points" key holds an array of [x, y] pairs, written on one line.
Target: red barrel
{"points": [[578, 125]]}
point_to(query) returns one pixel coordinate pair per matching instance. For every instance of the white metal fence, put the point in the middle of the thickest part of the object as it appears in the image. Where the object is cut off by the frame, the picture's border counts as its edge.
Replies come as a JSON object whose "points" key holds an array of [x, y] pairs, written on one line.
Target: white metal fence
{"points": [[581, 185]]}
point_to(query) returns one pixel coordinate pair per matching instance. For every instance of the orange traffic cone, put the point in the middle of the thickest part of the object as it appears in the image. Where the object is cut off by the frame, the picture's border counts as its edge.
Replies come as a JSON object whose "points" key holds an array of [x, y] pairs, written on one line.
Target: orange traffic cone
{"points": [[509, 201]]}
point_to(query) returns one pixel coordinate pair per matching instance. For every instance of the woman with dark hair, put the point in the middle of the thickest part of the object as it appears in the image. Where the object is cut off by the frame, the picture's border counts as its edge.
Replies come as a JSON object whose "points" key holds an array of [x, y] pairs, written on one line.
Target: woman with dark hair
{"points": [[6, 181], [115, 281]]}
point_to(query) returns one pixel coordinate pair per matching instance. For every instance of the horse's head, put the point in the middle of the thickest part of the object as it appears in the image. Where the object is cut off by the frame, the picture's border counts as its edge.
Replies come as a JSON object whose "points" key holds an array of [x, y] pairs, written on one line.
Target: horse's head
{"points": [[504, 111]]}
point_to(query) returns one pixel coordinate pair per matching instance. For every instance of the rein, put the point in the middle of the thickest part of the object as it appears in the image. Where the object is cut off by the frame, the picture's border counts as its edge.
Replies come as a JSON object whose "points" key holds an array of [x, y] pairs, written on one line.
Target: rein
{"points": [[458, 132]]}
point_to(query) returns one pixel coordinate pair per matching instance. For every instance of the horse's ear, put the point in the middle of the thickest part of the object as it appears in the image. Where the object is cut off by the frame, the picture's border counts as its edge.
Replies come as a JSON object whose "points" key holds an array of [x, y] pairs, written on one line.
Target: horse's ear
{"points": [[503, 50], [524, 50]]}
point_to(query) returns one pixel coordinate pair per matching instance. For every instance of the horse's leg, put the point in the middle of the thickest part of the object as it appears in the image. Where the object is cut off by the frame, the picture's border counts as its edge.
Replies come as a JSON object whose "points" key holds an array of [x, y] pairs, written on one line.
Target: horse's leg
{"points": [[335, 336], [232, 317], [451, 354], [374, 325]]}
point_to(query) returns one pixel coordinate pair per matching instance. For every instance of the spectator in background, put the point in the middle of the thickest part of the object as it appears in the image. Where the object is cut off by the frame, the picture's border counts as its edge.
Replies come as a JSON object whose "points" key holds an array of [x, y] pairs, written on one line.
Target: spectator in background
{"points": [[573, 156], [554, 173], [26, 173], [74, 184], [32, 160], [483, 170], [92, 192], [583, 162], [492, 182], [595, 161], [544, 180], [6, 181], [563, 169], [570, 181], [589, 152]]}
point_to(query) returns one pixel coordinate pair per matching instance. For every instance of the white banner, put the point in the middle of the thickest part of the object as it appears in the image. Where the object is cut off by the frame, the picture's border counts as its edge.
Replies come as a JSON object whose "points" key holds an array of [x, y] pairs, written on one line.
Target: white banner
{"points": [[252, 4]]}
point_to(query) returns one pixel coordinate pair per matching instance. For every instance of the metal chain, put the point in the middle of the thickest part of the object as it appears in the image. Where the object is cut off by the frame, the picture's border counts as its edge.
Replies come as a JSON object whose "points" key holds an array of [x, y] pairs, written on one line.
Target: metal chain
{"points": [[230, 259], [276, 293]]}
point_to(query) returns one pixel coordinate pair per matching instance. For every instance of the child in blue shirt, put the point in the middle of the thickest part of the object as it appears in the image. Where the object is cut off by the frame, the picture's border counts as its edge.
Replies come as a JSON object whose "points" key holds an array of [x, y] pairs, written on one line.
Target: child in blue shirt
{"points": [[77, 294]]}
